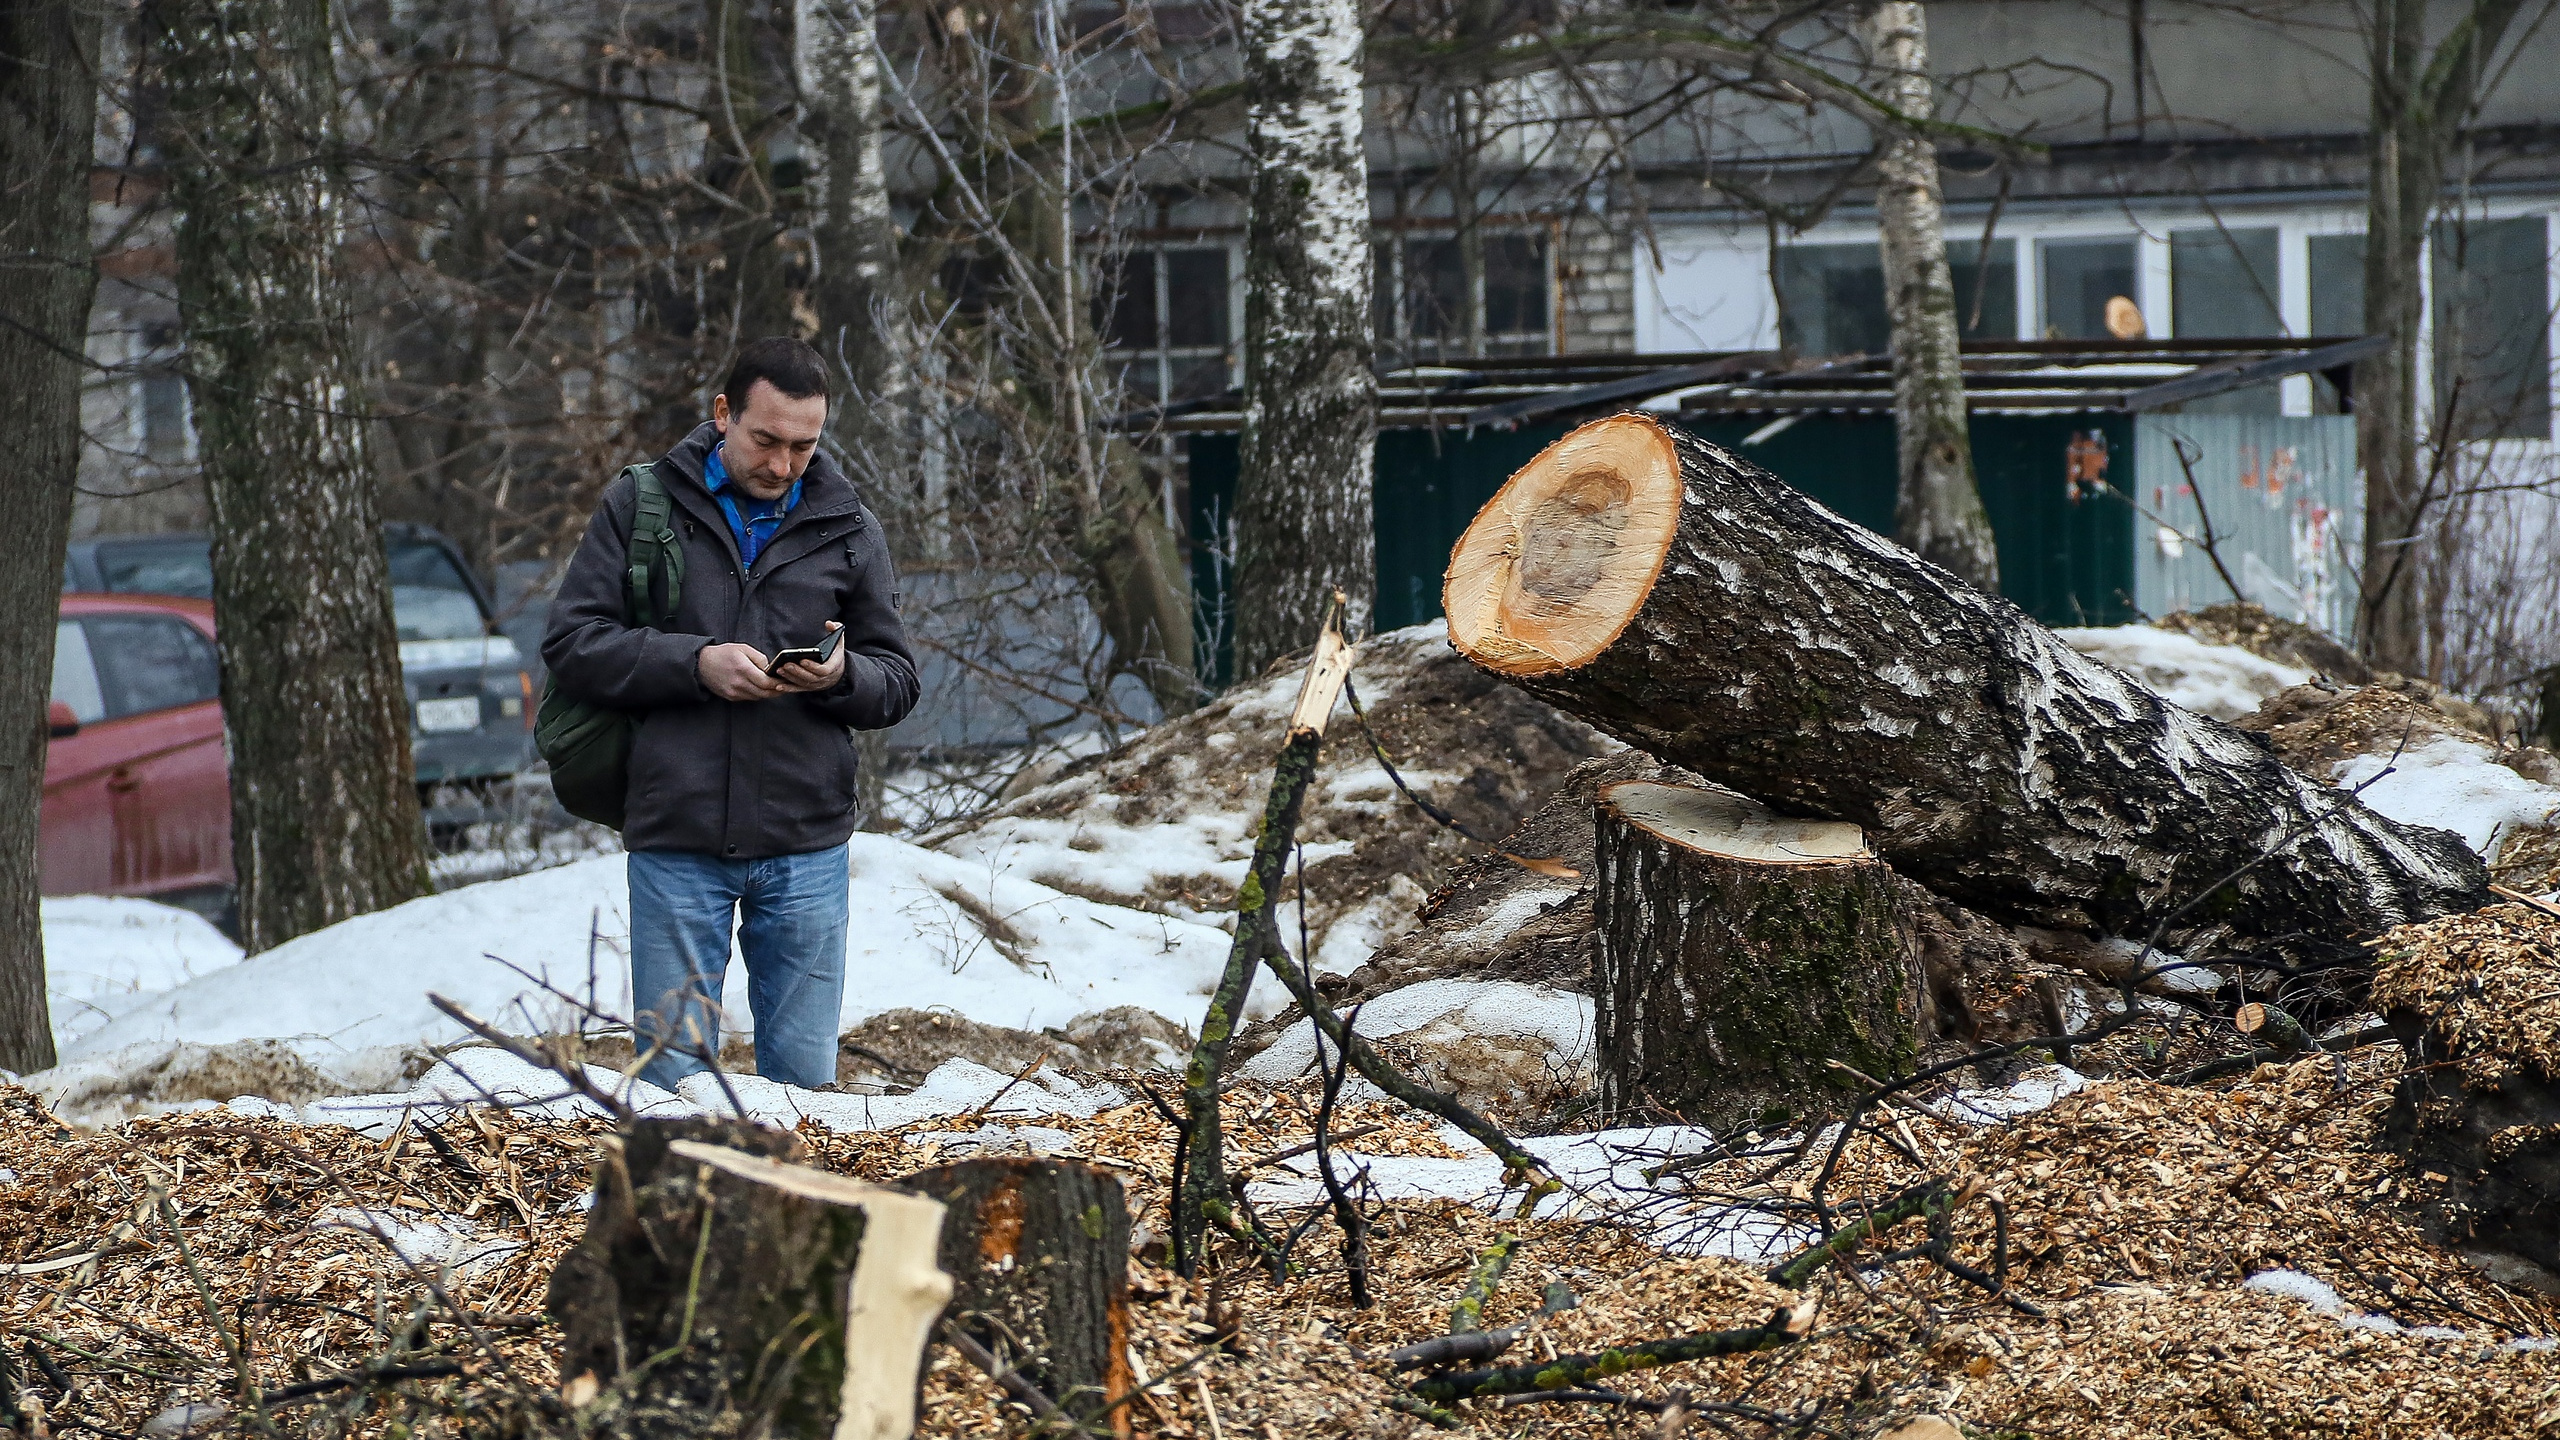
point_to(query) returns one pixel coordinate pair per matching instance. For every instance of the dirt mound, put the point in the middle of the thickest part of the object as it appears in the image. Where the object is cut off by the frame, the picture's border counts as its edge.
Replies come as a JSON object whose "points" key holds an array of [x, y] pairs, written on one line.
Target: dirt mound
{"points": [[2471, 994], [1166, 822], [2270, 637], [2317, 728], [119, 1087], [898, 1048]]}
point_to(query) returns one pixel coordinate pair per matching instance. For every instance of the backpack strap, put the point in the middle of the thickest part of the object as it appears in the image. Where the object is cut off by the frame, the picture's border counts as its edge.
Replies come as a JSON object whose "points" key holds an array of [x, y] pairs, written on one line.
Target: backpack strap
{"points": [[654, 584]]}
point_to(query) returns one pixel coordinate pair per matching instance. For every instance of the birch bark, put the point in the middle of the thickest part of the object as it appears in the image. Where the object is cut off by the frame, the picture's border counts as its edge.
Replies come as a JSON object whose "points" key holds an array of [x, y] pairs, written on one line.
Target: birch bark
{"points": [[324, 809], [1937, 512], [1304, 525], [840, 123], [48, 108]]}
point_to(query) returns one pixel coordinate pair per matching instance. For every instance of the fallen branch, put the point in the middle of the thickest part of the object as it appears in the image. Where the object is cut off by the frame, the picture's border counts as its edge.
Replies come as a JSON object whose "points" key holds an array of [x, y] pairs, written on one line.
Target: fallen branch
{"points": [[1785, 1326], [1465, 1347], [1468, 1313]]}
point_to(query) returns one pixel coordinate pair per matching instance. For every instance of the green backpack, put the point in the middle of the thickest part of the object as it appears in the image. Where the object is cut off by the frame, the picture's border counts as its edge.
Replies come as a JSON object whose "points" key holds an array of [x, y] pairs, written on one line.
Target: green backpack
{"points": [[588, 745]]}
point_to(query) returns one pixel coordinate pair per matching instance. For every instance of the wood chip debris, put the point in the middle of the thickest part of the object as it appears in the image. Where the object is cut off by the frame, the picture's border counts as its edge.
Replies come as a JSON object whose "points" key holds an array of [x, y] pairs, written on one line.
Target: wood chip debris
{"points": [[2135, 1213]]}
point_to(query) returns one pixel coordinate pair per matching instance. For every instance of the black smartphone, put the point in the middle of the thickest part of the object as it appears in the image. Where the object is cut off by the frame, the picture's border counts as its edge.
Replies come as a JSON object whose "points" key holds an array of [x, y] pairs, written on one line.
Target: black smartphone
{"points": [[818, 654]]}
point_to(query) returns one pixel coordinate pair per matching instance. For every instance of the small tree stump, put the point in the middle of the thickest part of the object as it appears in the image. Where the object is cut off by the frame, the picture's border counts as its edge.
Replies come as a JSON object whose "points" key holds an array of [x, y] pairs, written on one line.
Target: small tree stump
{"points": [[721, 1290], [1741, 950], [1038, 1251]]}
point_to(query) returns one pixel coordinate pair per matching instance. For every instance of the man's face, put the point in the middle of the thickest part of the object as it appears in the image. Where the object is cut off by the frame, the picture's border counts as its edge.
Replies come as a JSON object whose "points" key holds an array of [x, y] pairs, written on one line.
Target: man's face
{"points": [[766, 445]]}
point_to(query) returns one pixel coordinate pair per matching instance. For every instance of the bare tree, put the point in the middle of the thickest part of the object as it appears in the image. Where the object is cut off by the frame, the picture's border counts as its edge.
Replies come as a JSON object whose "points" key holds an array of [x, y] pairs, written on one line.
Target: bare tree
{"points": [[48, 112], [1938, 512], [1304, 528], [325, 818], [2422, 98]]}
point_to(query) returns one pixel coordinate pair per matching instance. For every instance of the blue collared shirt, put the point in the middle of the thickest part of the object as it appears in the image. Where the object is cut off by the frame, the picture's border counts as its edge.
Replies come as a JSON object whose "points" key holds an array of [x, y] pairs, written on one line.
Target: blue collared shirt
{"points": [[751, 520]]}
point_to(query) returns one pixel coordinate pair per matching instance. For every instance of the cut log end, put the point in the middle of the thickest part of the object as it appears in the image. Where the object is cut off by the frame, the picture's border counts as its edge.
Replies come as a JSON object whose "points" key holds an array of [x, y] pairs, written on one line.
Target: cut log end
{"points": [[1718, 823], [1555, 566]]}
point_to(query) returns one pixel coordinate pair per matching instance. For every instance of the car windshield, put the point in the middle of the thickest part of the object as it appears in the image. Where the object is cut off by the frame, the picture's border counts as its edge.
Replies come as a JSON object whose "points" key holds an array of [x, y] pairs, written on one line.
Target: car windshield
{"points": [[429, 598], [177, 569]]}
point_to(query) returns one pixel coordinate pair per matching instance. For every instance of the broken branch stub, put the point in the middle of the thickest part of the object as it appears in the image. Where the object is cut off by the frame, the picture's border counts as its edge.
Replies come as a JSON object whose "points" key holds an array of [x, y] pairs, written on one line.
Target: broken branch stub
{"points": [[1741, 954], [1697, 607], [722, 1290]]}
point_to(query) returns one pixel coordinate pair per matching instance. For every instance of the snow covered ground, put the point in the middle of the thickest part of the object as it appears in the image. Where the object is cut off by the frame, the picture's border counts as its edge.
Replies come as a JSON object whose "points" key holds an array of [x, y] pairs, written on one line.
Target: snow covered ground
{"points": [[929, 931], [106, 955]]}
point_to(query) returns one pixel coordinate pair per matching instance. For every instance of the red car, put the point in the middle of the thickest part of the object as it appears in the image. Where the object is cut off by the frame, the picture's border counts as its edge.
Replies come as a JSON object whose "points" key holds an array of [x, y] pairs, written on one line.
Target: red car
{"points": [[137, 791]]}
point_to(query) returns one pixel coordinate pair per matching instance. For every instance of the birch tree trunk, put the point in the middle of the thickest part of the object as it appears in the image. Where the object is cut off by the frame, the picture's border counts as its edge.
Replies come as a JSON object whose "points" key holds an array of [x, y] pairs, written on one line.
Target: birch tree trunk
{"points": [[2420, 101], [48, 112], [1937, 512], [324, 809], [1304, 526], [1702, 610], [840, 125]]}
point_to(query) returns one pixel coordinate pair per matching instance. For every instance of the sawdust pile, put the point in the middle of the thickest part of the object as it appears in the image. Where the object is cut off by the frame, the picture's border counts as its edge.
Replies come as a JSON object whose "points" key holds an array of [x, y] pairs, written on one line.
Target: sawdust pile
{"points": [[2137, 1216], [2248, 626], [2487, 984]]}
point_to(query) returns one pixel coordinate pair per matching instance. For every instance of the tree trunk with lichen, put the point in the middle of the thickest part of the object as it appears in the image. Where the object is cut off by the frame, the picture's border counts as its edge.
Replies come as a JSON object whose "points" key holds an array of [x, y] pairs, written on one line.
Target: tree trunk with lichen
{"points": [[1038, 1251], [1937, 512], [1740, 954], [1701, 609], [48, 112], [1304, 527], [721, 1289], [324, 802], [1202, 1200]]}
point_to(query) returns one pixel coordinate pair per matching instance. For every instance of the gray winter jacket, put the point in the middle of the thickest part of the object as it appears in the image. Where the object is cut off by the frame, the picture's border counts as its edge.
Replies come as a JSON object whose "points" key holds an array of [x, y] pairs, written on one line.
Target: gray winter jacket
{"points": [[740, 780]]}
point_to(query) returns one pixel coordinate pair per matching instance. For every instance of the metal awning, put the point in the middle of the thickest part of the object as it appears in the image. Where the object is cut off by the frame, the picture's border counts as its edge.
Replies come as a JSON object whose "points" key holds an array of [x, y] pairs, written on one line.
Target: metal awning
{"points": [[2000, 375]]}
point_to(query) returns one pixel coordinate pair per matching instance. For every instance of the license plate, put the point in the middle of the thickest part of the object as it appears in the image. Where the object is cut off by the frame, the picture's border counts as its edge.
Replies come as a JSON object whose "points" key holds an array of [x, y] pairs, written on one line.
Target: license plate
{"points": [[438, 717]]}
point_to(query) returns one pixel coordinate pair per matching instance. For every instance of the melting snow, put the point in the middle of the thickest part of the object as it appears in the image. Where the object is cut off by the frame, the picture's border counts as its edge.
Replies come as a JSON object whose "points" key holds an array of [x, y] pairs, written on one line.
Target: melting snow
{"points": [[2223, 681]]}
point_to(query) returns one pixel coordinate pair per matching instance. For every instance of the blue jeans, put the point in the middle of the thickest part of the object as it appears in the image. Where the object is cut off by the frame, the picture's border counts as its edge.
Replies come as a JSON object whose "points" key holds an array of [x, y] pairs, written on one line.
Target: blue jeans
{"points": [[791, 935]]}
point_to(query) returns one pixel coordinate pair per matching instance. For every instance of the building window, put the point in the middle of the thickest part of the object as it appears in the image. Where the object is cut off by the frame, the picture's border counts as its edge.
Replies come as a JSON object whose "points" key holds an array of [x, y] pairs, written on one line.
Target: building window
{"points": [[2493, 329], [1164, 323], [1421, 296], [1831, 297], [2222, 286], [2337, 286], [2337, 304], [2080, 277], [168, 433]]}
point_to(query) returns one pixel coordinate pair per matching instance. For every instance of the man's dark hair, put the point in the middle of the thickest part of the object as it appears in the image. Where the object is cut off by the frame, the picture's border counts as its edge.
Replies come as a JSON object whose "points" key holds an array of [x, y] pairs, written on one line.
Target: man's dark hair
{"points": [[788, 365]]}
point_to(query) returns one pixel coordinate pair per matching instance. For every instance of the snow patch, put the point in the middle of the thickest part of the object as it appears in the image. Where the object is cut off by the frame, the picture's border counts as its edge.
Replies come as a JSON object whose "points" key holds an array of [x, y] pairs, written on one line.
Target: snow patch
{"points": [[2223, 681], [1460, 1029], [107, 954], [2452, 784]]}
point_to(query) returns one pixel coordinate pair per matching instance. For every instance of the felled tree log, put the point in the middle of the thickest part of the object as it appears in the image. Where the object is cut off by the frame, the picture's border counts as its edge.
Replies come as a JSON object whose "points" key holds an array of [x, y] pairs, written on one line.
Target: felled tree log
{"points": [[1740, 953], [721, 1290], [2477, 1111], [1038, 1252], [1698, 608]]}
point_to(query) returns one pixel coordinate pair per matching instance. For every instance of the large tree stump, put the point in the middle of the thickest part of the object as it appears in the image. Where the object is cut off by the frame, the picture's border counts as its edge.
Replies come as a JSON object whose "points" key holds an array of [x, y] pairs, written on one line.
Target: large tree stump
{"points": [[720, 1290], [1699, 608], [1740, 952], [1038, 1251]]}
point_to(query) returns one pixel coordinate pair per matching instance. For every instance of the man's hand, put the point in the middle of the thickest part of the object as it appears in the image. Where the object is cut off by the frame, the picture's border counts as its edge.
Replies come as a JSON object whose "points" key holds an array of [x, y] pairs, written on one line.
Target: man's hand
{"points": [[736, 672], [801, 677]]}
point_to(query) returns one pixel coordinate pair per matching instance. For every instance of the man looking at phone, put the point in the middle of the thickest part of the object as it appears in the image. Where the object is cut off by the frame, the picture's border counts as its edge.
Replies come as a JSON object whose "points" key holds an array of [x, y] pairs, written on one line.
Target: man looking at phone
{"points": [[741, 793]]}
